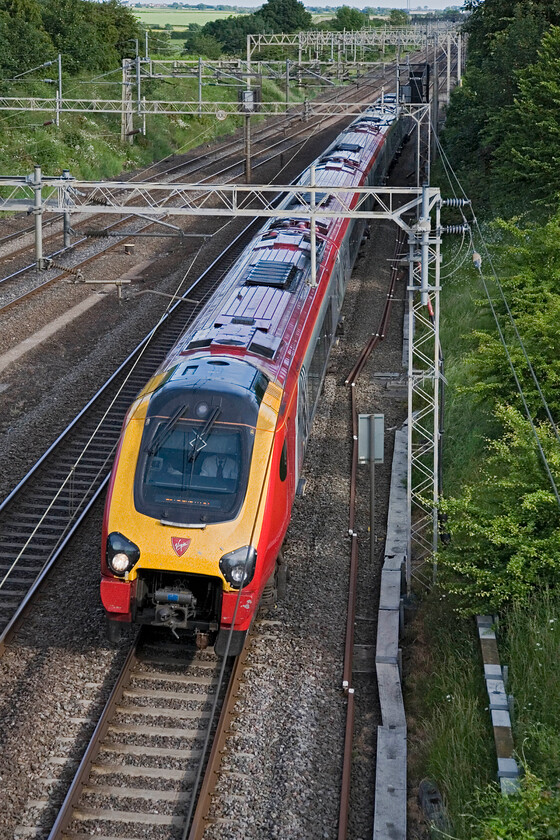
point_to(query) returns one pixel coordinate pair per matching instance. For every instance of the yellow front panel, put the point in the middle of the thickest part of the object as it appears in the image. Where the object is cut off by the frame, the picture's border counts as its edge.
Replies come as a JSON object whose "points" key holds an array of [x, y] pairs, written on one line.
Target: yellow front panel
{"points": [[207, 545]]}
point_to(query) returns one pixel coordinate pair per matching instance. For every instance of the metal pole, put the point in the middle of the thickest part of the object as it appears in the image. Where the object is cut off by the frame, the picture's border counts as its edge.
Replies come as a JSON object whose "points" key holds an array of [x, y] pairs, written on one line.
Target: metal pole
{"points": [[123, 102], [459, 58], [199, 86], [59, 92], [424, 228], [147, 56], [38, 213], [448, 67], [313, 239], [126, 114], [248, 119], [435, 88], [437, 373], [248, 61], [138, 91], [372, 487], [418, 147], [287, 83], [248, 148], [66, 227]]}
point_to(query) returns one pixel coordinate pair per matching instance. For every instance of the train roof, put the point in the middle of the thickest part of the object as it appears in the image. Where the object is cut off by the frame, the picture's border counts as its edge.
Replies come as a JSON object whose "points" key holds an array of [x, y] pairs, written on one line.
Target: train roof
{"points": [[262, 304]]}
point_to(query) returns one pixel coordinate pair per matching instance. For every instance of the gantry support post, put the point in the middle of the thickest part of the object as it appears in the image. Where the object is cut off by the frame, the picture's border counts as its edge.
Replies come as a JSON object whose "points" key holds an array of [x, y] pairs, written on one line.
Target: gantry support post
{"points": [[59, 91], [423, 390], [38, 216], [126, 106], [199, 86], [312, 227], [66, 224]]}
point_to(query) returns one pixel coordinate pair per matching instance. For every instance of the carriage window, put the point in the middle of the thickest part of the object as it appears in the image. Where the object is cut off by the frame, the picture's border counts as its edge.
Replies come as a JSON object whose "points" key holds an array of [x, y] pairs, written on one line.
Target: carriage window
{"points": [[284, 461]]}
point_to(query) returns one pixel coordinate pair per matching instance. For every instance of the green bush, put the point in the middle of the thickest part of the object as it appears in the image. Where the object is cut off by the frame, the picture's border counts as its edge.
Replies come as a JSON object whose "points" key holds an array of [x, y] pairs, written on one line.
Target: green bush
{"points": [[532, 814], [505, 525]]}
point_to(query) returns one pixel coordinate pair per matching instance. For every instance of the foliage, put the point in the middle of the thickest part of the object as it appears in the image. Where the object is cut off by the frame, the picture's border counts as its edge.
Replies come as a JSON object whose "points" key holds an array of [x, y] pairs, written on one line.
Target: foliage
{"points": [[503, 520], [87, 34], [199, 43], [285, 16], [90, 35], [528, 262], [349, 19], [22, 45], [528, 154], [274, 16], [449, 729], [504, 40], [532, 814], [398, 17], [232, 32], [505, 525]]}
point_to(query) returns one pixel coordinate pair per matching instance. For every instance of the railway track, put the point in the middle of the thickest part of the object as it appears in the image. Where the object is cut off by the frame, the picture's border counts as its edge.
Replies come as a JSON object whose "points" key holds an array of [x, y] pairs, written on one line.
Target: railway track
{"points": [[40, 515], [140, 773]]}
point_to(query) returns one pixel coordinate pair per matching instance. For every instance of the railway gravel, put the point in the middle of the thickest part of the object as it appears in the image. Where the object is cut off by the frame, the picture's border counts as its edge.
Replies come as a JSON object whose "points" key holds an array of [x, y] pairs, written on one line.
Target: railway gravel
{"points": [[287, 743]]}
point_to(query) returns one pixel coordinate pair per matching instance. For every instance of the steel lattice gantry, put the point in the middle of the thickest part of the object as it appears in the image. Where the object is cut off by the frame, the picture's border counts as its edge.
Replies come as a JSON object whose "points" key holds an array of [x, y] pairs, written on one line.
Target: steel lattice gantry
{"points": [[331, 57], [320, 41]]}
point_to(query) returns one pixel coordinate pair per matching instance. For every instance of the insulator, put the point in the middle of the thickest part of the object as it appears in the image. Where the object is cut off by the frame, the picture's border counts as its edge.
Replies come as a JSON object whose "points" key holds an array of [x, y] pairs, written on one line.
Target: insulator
{"points": [[455, 229], [455, 202]]}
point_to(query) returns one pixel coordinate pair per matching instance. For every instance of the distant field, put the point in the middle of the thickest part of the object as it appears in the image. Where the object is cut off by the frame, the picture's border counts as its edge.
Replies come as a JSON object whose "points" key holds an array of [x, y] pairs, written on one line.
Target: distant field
{"points": [[178, 18]]}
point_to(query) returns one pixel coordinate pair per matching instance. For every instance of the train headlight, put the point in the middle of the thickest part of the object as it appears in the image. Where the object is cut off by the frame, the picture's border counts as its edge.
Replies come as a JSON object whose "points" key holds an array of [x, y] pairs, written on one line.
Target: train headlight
{"points": [[122, 554], [238, 567]]}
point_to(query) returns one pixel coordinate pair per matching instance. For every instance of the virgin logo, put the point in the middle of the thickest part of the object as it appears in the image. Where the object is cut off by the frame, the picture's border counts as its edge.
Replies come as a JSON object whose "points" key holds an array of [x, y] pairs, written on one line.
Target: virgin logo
{"points": [[179, 545]]}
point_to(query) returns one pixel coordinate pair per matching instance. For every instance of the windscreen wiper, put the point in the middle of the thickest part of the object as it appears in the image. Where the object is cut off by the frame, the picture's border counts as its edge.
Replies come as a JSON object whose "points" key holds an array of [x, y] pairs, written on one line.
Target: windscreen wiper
{"points": [[199, 441], [165, 430]]}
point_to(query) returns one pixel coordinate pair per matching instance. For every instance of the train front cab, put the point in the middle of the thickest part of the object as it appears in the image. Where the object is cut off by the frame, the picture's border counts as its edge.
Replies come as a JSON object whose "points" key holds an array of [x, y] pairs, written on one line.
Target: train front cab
{"points": [[186, 542]]}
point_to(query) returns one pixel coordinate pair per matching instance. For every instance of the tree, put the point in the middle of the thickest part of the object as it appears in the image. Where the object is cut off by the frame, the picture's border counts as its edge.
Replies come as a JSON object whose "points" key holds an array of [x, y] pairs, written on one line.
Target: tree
{"points": [[22, 45], [198, 43], [27, 10], [90, 35], [23, 41], [285, 16], [232, 32], [398, 18], [505, 527], [504, 39], [528, 137], [350, 19]]}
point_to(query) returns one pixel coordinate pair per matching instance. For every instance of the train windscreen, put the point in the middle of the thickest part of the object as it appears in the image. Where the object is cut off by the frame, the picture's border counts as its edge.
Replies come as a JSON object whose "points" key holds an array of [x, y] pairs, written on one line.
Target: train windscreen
{"points": [[193, 465]]}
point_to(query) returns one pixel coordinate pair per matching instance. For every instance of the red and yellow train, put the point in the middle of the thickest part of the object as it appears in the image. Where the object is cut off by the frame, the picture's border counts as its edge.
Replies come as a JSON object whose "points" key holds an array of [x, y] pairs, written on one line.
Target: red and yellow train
{"points": [[211, 452]]}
